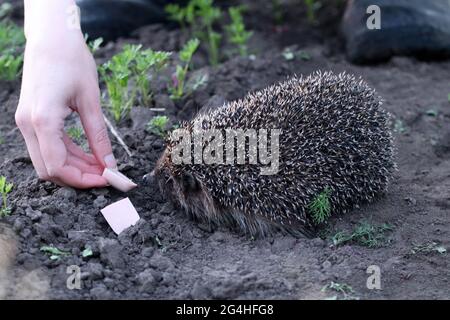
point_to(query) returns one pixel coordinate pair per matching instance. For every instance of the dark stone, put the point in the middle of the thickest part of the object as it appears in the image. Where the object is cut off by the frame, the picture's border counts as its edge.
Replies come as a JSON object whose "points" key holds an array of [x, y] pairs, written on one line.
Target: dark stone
{"points": [[442, 148], [160, 262], [146, 281], [100, 202], [67, 194], [100, 292], [408, 27], [200, 291], [111, 252]]}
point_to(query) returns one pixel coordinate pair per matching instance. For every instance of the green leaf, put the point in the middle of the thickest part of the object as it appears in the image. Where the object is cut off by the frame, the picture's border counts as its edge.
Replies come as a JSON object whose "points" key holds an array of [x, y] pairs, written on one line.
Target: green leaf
{"points": [[53, 252], [441, 249], [288, 55], [8, 187], [432, 113], [304, 55], [320, 207], [158, 125], [188, 50], [87, 252]]}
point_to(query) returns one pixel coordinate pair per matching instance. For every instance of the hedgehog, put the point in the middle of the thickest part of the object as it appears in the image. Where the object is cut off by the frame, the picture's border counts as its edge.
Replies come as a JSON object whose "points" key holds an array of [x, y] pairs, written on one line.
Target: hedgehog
{"points": [[328, 136]]}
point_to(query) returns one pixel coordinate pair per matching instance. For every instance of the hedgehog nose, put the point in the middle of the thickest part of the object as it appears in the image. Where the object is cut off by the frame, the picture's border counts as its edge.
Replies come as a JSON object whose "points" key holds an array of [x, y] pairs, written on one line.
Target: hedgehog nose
{"points": [[148, 178]]}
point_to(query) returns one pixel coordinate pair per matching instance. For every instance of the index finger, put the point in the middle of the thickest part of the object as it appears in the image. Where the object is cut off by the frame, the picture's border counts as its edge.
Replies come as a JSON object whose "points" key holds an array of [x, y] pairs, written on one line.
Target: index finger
{"points": [[55, 156]]}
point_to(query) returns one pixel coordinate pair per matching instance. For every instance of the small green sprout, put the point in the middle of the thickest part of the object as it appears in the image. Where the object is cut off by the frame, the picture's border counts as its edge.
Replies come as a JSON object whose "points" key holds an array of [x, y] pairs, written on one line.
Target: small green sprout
{"points": [[341, 288], [237, 34], [126, 77], [177, 14], [399, 126], [148, 60], [208, 15], [448, 97], [305, 56], [54, 253], [116, 73], [288, 54], [158, 125], [93, 45], [5, 189], [76, 133], [310, 10], [365, 234], [87, 252], [10, 67], [197, 81], [177, 88], [431, 113], [200, 15], [320, 207], [12, 38], [12, 41]]}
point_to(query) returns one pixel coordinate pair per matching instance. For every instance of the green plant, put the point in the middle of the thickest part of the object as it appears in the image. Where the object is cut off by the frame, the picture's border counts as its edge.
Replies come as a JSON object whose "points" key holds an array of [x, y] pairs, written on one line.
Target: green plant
{"points": [[76, 133], [320, 207], [399, 126], [54, 253], [5, 189], [145, 61], [12, 39], [177, 88], [310, 10], [200, 15], [116, 74], [341, 288], [304, 55], [237, 34], [93, 45], [177, 14], [126, 76], [87, 252], [288, 54], [158, 125], [365, 234], [10, 67], [432, 113]]}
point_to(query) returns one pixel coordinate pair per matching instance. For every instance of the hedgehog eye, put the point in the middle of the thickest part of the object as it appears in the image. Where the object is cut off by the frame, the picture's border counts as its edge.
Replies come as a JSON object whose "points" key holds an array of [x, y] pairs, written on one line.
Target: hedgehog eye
{"points": [[189, 183]]}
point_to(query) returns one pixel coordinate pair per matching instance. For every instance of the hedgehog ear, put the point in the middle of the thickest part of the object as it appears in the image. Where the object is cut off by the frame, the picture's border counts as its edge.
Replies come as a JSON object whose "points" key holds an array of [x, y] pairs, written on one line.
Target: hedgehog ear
{"points": [[189, 183]]}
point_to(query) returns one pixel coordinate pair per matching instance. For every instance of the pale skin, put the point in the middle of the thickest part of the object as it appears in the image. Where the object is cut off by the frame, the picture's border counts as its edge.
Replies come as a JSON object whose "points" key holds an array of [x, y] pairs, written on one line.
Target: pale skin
{"points": [[60, 77]]}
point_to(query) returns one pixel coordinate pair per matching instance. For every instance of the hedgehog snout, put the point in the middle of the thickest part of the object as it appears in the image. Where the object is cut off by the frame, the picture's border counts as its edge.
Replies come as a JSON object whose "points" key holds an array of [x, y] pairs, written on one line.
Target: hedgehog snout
{"points": [[149, 178]]}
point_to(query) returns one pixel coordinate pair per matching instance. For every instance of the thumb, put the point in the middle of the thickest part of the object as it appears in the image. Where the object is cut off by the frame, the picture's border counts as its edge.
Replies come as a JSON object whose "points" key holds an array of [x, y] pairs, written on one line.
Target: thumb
{"points": [[94, 125]]}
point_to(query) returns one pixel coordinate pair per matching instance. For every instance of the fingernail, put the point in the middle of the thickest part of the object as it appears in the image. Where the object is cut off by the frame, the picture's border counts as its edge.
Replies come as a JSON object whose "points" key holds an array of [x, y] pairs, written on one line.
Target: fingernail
{"points": [[110, 161]]}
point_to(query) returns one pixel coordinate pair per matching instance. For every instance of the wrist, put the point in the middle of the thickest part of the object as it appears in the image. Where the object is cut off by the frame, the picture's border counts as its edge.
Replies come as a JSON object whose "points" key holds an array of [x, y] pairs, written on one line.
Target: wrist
{"points": [[51, 19]]}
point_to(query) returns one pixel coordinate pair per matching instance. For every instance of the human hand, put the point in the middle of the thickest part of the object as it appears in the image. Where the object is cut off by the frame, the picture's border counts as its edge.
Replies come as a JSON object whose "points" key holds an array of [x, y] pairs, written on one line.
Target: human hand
{"points": [[60, 77]]}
